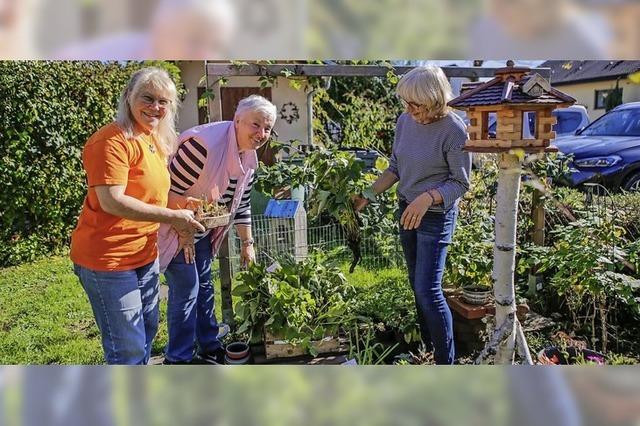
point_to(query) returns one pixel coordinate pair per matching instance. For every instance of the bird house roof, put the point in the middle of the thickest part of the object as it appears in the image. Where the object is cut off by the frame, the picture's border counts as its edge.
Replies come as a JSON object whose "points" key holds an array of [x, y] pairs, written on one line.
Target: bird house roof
{"points": [[511, 85], [282, 208]]}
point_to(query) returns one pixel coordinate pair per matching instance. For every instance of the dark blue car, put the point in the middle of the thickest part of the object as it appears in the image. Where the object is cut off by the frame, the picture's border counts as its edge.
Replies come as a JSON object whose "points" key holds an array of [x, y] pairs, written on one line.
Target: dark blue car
{"points": [[608, 150]]}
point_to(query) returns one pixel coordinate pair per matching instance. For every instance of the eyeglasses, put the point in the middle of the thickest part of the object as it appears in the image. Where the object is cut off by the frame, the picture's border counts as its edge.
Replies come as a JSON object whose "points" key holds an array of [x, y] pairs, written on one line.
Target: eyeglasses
{"points": [[150, 100], [407, 104]]}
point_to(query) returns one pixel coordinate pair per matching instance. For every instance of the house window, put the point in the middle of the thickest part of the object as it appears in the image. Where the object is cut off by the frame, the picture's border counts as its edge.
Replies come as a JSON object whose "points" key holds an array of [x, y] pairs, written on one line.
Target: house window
{"points": [[601, 98]]}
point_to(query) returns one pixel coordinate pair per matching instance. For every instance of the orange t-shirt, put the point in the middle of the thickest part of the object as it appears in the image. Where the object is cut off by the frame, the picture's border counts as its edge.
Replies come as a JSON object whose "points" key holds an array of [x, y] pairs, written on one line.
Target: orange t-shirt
{"points": [[104, 242]]}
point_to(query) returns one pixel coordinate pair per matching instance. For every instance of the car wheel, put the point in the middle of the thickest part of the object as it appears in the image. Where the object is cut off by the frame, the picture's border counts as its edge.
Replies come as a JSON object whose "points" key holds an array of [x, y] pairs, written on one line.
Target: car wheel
{"points": [[632, 184]]}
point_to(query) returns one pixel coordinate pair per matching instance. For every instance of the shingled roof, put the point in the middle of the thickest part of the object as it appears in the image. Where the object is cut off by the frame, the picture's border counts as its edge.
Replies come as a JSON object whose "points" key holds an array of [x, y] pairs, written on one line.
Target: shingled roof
{"points": [[569, 72], [506, 88]]}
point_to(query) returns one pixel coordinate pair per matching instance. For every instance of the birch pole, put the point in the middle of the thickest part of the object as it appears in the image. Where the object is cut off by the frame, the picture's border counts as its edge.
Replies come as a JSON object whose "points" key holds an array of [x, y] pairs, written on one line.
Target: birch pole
{"points": [[508, 332]]}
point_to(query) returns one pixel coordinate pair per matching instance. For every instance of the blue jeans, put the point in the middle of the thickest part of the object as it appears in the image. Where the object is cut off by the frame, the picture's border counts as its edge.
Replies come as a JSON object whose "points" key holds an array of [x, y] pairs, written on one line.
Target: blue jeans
{"points": [[125, 306], [190, 309], [425, 251]]}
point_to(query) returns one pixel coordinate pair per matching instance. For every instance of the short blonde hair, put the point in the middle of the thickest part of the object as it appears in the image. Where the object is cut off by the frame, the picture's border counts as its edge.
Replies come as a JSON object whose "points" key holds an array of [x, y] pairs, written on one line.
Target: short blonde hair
{"points": [[427, 87], [257, 103], [158, 79]]}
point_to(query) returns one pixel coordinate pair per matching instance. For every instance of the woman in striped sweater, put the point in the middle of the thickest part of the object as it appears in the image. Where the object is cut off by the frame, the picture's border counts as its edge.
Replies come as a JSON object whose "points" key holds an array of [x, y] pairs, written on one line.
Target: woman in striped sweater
{"points": [[432, 172], [219, 160]]}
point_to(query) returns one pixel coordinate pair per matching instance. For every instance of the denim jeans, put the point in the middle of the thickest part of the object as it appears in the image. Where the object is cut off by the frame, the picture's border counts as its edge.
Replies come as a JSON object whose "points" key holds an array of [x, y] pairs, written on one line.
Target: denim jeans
{"points": [[125, 307], [425, 251], [190, 309]]}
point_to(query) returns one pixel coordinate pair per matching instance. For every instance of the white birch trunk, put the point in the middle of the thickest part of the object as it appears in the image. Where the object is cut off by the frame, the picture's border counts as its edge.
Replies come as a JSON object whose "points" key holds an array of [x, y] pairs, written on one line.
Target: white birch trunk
{"points": [[504, 254]]}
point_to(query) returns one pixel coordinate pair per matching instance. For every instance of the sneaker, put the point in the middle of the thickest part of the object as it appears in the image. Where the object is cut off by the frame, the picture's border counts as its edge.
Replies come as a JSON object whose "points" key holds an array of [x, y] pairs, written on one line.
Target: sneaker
{"points": [[210, 358]]}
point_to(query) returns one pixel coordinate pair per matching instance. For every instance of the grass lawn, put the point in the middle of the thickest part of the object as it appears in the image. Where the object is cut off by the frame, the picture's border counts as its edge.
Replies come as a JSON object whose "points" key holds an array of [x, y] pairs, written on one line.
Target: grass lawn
{"points": [[45, 316]]}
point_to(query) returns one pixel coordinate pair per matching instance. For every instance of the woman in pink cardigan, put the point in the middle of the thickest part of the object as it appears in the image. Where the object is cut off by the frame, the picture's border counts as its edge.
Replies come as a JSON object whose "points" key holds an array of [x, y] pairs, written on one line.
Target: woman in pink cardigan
{"points": [[218, 160]]}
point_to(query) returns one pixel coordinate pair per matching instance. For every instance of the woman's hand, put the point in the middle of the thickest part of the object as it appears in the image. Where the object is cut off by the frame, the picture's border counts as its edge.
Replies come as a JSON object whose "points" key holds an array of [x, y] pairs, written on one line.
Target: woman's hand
{"points": [[184, 222], [359, 202], [186, 242], [414, 212], [193, 203], [247, 255]]}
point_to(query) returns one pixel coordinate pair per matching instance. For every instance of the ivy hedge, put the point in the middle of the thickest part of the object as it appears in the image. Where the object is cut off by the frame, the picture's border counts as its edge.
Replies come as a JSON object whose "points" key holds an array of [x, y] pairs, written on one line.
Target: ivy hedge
{"points": [[49, 110]]}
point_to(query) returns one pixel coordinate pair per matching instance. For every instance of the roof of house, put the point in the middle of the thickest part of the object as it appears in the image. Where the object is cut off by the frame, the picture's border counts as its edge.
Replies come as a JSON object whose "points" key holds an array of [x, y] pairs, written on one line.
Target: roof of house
{"points": [[507, 89], [568, 72]]}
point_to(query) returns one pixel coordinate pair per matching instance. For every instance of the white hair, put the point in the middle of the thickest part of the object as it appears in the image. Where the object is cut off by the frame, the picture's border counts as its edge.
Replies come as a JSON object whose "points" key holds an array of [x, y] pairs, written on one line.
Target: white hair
{"points": [[257, 103], [427, 87], [158, 79]]}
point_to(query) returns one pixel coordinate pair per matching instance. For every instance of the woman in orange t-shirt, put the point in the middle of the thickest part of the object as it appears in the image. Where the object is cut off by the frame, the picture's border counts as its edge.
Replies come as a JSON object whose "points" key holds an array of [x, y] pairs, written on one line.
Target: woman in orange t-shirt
{"points": [[114, 247]]}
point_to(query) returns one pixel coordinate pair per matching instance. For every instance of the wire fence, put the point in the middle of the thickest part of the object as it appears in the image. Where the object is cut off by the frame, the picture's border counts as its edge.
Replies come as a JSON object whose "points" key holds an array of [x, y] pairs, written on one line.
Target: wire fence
{"points": [[275, 237]]}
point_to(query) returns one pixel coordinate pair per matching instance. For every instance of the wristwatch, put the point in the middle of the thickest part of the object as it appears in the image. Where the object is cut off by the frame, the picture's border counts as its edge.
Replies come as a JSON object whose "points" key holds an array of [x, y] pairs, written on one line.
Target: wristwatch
{"points": [[248, 242]]}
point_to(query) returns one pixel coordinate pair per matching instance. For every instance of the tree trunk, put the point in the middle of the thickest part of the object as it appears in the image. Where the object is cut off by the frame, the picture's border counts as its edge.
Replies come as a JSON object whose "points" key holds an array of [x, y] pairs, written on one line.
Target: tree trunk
{"points": [[507, 327]]}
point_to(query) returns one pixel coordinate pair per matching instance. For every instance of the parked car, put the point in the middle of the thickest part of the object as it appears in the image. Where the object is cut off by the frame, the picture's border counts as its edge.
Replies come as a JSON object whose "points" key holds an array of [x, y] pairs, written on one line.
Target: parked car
{"points": [[569, 120], [608, 150]]}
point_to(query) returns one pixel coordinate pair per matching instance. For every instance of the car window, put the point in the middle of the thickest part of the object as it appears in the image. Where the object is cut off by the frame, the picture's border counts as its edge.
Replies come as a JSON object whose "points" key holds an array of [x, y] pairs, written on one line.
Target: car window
{"points": [[568, 121], [624, 122]]}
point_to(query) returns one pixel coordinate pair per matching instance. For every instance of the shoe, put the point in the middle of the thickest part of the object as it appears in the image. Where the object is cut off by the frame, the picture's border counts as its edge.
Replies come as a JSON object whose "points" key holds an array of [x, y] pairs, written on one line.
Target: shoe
{"points": [[210, 358]]}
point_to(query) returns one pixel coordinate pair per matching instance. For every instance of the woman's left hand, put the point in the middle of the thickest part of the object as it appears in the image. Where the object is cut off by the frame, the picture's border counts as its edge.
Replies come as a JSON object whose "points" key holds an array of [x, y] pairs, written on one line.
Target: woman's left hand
{"points": [[247, 256], [414, 212]]}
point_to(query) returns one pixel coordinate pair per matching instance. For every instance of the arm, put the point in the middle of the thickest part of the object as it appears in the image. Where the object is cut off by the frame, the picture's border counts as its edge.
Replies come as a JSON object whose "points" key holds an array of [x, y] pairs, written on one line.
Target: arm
{"points": [[385, 181], [242, 221], [114, 201], [247, 252], [459, 163]]}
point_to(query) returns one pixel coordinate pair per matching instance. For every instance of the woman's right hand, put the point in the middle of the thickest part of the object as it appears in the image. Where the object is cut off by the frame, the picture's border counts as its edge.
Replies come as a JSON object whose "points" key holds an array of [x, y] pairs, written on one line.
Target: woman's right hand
{"points": [[359, 202], [185, 222]]}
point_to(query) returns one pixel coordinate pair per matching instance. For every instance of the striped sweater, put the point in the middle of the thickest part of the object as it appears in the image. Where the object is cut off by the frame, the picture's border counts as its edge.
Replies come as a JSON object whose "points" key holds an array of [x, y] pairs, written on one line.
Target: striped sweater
{"points": [[185, 169]]}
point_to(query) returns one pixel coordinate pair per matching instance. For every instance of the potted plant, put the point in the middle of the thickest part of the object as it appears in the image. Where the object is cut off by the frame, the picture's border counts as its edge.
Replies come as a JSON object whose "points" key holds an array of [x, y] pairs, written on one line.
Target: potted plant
{"points": [[212, 214], [299, 305], [477, 294]]}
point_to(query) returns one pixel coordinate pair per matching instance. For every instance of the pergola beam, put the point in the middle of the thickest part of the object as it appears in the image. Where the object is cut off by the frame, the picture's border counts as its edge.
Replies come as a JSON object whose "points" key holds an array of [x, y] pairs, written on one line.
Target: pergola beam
{"points": [[339, 70]]}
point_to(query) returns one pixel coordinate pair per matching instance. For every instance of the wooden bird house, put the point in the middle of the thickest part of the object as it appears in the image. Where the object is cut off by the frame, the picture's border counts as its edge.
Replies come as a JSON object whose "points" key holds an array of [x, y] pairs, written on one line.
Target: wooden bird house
{"points": [[513, 110]]}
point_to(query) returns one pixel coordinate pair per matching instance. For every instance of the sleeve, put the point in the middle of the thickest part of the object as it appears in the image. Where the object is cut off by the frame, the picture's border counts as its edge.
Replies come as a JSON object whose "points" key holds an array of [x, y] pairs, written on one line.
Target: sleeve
{"points": [[107, 162], [459, 163], [187, 165], [243, 214]]}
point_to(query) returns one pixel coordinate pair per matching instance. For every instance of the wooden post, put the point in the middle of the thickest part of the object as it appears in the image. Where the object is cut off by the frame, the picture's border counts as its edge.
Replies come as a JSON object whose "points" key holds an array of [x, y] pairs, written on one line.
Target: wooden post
{"points": [[537, 236], [225, 283]]}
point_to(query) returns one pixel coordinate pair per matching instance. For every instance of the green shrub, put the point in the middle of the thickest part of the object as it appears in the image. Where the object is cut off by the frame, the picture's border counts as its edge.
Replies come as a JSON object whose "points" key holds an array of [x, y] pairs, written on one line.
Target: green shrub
{"points": [[390, 301], [49, 110], [297, 301]]}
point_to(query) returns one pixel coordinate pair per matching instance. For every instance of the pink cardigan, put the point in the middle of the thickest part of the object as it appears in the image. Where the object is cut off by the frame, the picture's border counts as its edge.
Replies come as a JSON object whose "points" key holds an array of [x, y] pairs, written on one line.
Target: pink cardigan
{"points": [[223, 162]]}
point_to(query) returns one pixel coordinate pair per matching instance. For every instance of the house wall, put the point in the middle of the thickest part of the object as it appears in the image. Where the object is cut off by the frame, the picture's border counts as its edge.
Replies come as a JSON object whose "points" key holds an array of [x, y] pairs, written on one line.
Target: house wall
{"points": [[284, 97], [584, 93]]}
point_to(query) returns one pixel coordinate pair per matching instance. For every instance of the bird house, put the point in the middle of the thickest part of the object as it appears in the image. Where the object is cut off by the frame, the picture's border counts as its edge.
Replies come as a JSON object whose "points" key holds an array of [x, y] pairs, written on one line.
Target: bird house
{"points": [[513, 110], [287, 228]]}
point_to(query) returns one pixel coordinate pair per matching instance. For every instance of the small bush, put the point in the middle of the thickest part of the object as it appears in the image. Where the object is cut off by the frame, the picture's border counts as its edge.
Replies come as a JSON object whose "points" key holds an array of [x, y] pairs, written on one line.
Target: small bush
{"points": [[49, 110]]}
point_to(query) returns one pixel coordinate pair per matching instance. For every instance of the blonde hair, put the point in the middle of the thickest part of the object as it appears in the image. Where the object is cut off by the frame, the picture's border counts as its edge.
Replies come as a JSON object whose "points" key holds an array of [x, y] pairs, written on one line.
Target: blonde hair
{"points": [[257, 103], [427, 87], [159, 80]]}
